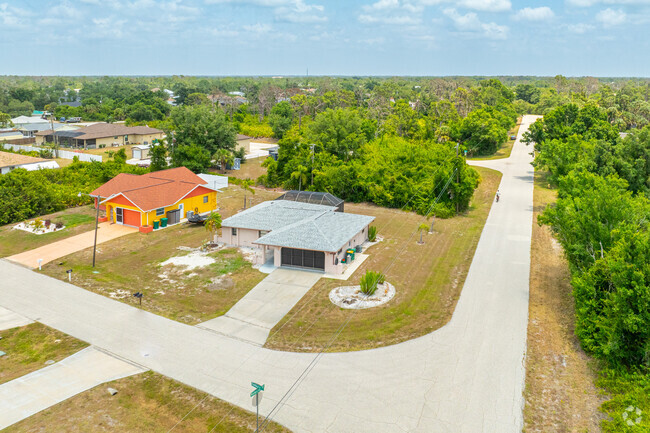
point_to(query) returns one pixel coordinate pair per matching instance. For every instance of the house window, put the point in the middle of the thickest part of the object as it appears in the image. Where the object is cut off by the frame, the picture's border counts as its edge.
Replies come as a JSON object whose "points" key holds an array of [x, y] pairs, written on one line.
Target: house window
{"points": [[234, 231], [160, 212], [205, 199]]}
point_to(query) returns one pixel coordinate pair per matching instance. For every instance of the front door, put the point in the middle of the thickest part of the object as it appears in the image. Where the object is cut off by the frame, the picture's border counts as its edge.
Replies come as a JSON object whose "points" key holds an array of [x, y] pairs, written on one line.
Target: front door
{"points": [[119, 215], [181, 208]]}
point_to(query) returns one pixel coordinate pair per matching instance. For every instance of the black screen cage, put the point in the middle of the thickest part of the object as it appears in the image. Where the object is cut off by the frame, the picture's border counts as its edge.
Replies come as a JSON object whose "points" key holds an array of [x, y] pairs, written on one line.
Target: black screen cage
{"points": [[312, 197]]}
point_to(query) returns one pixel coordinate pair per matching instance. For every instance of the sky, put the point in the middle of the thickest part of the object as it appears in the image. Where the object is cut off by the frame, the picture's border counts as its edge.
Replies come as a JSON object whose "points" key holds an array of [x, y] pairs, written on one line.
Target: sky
{"points": [[326, 37]]}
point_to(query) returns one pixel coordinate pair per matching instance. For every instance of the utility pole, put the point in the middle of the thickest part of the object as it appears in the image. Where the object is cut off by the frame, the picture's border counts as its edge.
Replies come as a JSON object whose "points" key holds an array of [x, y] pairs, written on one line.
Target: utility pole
{"points": [[457, 175], [312, 163]]}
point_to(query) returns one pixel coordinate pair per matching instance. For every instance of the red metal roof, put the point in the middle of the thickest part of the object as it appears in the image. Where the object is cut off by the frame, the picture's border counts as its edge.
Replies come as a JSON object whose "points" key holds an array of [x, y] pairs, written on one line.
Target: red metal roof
{"points": [[151, 190]]}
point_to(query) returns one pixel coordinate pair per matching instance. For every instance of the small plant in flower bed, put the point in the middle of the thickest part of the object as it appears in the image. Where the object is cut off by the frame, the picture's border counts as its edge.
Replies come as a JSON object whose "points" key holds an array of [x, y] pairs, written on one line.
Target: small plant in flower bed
{"points": [[47, 223], [369, 282], [58, 225], [372, 233]]}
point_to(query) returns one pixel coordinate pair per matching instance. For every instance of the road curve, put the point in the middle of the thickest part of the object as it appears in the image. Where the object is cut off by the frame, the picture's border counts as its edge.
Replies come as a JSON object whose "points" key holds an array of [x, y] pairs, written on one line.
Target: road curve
{"points": [[467, 376]]}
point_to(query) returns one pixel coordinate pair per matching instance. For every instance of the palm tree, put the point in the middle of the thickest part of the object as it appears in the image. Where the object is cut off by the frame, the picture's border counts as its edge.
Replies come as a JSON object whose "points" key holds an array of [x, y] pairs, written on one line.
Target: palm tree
{"points": [[422, 228], [213, 223], [246, 186], [300, 175], [223, 157]]}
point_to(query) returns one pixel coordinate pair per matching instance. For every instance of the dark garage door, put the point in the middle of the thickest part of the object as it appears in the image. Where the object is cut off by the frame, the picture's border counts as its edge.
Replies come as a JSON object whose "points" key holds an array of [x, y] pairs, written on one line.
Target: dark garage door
{"points": [[303, 258]]}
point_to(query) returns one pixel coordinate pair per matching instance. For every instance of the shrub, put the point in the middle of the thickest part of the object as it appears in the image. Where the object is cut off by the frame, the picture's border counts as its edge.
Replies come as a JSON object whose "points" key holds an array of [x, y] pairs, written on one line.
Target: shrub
{"points": [[369, 282], [58, 225], [38, 223], [47, 224], [372, 233]]}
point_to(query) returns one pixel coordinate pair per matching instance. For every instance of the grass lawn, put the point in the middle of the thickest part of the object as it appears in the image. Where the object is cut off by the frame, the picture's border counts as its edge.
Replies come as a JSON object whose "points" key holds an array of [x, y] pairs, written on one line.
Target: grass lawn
{"points": [[77, 220], [251, 169], [560, 391], [147, 402], [133, 263], [506, 149], [29, 347], [428, 279]]}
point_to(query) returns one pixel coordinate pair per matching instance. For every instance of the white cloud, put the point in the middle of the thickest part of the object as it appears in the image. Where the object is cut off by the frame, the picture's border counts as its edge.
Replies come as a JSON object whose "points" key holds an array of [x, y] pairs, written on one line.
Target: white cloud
{"points": [[257, 28], [382, 5], [397, 20], [486, 5], [471, 24], [295, 11], [610, 17], [11, 16], [580, 28], [542, 13], [587, 3]]}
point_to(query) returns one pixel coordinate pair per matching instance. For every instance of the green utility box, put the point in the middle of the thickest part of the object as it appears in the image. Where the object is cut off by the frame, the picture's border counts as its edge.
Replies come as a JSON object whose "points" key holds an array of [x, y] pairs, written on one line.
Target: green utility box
{"points": [[156, 224], [163, 222]]}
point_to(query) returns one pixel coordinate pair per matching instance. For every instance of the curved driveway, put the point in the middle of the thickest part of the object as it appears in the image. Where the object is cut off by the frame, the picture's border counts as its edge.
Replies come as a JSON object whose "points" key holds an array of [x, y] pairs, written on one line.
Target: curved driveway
{"points": [[465, 377]]}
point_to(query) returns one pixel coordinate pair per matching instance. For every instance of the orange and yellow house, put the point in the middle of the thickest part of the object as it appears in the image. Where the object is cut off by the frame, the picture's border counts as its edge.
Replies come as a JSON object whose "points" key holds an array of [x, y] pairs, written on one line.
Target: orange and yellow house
{"points": [[139, 201]]}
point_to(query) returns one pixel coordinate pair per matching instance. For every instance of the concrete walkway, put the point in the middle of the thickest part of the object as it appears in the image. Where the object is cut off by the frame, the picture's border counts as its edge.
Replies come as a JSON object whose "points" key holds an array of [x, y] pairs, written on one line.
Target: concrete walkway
{"points": [[467, 377], [34, 392], [58, 249], [9, 319], [252, 318]]}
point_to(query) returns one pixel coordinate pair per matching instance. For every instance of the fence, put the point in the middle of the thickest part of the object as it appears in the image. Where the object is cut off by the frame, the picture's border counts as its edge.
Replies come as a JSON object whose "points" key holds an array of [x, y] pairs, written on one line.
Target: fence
{"points": [[65, 154]]}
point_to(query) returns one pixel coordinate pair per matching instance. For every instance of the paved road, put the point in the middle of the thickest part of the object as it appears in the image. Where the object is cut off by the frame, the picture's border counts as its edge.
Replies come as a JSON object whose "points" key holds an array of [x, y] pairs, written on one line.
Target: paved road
{"points": [[252, 318], [9, 319], [465, 377], [30, 394], [58, 249]]}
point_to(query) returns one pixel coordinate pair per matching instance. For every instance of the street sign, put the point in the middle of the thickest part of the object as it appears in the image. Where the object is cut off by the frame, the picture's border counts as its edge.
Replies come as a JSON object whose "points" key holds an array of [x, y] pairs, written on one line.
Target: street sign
{"points": [[257, 389]]}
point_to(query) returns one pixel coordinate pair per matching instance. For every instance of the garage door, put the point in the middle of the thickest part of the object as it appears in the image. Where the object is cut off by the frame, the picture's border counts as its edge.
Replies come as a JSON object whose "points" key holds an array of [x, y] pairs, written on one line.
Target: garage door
{"points": [[303, 258], [132, 218]]}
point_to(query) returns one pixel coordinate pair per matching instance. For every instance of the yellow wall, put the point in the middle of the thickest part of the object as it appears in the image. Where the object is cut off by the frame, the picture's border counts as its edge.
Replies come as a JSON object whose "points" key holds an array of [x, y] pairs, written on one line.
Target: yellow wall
{"points": [[189, 205]]}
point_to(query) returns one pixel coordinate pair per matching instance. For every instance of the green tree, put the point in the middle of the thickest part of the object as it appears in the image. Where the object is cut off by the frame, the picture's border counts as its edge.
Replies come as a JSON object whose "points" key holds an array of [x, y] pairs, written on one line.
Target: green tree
{"points": [[340, 132], [300, 175], [193, 157], [223, 157], [213, 223], [158, 156], [201, 126], [246, 185], [281, 118], [528, 93]]}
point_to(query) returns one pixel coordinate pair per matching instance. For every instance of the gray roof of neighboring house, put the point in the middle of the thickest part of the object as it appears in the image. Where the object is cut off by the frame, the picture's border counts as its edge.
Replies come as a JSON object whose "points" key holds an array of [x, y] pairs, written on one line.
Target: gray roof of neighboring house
{"points": [[272, 215], [328, 232]]}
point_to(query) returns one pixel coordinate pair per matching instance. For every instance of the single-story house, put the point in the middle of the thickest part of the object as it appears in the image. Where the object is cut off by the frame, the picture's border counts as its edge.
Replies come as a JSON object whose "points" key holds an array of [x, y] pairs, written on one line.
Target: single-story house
{"points": [[102, 135], [297, 234], [11, 161], [243, 142], [139, 201]]}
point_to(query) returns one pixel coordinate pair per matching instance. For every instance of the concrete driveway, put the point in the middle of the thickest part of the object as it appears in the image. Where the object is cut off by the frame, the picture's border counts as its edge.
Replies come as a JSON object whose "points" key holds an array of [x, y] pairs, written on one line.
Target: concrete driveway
{"points": [[252, 318], [58, 249], [467, 377], [34, 392]]}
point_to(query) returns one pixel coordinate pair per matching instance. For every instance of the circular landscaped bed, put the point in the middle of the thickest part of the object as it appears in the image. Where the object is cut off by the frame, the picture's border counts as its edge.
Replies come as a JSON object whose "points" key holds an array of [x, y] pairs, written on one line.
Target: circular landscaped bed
{"points": [[351, 297]]}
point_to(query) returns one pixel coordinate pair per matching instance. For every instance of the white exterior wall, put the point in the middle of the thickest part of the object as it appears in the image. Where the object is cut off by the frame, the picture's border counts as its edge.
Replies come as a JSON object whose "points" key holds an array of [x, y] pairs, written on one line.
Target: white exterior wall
{"points": [[244, 237]]}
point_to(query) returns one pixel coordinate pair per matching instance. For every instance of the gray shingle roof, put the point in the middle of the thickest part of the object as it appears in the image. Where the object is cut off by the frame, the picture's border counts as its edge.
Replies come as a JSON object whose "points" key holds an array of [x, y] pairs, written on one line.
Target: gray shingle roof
{"points": [[273, 215], [330, 231]]}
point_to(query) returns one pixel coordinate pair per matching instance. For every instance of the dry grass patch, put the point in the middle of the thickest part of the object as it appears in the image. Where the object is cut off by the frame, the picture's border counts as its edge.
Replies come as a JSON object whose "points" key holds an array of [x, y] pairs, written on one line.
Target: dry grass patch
{"points": [[132, 264], [29, 347], [560, 391], [77, 220], [428, 279], [144, 403], [251, 169]]}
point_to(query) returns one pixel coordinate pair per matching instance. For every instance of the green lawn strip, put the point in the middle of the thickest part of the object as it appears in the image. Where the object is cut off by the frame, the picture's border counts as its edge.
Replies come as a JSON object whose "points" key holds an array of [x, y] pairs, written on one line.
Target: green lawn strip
{"points": [[146, 403], [428, 279], [76, 220], [627, 391], [134, 264], [506, 148], [29, 347]]}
